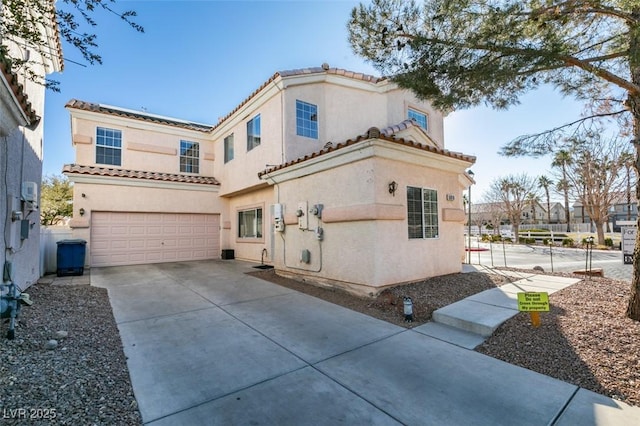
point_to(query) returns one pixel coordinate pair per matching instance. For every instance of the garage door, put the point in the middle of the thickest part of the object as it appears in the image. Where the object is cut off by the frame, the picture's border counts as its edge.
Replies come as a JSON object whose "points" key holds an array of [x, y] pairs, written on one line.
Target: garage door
{"points": [[121, 238]]}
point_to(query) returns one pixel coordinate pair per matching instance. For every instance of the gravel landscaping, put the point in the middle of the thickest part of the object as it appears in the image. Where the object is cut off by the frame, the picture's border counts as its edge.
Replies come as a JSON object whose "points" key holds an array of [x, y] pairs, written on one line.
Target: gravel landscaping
{"points": [[585, 339], [83, 380]]}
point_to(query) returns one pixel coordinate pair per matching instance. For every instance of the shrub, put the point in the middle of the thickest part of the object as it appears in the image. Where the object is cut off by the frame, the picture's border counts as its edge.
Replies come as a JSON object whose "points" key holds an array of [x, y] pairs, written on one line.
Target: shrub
{"points": [[496, 238], [545, 241], [585, 241], [567, 242], [608, 242], [486, 238], [525, 240]]}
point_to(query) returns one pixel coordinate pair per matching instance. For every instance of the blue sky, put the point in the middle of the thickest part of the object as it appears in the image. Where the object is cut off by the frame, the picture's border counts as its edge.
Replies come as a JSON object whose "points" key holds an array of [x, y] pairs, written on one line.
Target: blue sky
{"points": [[197, 60]]}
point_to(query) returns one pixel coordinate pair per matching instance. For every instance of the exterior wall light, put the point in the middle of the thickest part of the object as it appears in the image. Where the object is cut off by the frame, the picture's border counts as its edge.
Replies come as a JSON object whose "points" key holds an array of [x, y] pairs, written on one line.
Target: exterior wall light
{"points": [[393, 186], [81, 211]]}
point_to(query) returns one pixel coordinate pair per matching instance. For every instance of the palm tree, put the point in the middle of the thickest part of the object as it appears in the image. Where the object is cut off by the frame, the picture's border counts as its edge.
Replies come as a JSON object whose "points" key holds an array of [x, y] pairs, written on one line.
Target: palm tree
{"points": [[544, 182], [533, 199], [562, 159]]}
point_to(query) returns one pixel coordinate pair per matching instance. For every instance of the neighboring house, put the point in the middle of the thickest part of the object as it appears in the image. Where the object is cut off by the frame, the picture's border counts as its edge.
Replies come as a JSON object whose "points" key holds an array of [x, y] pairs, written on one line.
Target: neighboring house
{"points": [[533, 213], [558, 213], [623, 210], [493, 214], [21, 138], [337, 177]]}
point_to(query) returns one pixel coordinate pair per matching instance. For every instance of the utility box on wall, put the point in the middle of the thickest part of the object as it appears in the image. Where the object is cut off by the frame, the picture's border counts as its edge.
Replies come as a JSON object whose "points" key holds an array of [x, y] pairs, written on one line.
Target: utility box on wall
{"points": [[305, 256]]}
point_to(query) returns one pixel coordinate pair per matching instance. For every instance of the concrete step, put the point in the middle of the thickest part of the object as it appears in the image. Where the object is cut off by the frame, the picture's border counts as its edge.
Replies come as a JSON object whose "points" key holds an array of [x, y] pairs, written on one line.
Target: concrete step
{"points": [[446, 333], [474, 317]]}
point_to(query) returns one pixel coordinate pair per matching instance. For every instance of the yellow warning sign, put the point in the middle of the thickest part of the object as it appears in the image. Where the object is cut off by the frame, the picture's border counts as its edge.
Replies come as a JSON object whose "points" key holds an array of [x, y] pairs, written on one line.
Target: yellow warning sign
{"points": [[533, 302]]}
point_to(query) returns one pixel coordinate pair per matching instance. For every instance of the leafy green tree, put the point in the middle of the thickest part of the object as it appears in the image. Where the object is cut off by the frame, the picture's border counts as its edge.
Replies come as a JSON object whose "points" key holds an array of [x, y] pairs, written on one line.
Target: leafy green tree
{"points": [[463, 53], [22, 23], [56, 200]]}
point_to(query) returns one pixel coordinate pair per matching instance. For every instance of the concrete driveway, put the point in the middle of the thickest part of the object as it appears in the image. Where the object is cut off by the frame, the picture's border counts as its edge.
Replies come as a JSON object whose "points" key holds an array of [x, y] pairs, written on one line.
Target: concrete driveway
{"points": [[208, 344]]}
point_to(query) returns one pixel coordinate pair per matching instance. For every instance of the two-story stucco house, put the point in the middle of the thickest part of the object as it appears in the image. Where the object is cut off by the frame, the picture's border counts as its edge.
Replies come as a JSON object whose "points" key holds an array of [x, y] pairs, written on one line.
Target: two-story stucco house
{"points": [[21, 148], [337, 177]]}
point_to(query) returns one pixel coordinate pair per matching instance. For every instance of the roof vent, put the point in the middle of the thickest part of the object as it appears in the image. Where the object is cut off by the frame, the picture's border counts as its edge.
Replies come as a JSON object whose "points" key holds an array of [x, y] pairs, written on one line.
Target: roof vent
{"points": [[373, 133], [325, 66]]}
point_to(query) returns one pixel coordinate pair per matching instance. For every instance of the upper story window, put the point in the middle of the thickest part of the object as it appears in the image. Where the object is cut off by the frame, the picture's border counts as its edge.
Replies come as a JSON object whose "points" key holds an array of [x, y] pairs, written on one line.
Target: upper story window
{"points": [[422, 212], [306, 119], [419, 117], [189, 157], [250, 223], [253, 132], [108, 146], [228, 148]]}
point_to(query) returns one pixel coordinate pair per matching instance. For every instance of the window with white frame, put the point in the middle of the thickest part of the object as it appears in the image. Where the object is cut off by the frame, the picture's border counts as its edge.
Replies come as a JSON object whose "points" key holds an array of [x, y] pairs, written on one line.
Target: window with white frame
{"points": [[306, 119], [228, 148], [419, 117], [250, 223], [108, 146], [253, 132], [422, 212], [189, 157]]}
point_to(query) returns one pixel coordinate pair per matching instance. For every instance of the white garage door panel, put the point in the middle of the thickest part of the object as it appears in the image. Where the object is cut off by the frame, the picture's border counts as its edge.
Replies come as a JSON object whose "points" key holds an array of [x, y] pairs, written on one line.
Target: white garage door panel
{"points": [[122, 238]]}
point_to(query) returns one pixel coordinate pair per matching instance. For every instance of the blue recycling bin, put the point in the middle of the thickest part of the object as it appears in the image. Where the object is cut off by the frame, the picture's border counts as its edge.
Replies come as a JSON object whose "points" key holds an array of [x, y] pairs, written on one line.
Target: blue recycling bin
{"points": [[71, 255]]}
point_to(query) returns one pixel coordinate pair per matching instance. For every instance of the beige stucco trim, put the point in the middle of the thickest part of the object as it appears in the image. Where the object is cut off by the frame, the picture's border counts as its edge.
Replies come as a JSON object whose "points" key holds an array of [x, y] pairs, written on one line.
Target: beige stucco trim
{"points": [[290, 219], [111, 180], [156, 149], [79, 223], [453, 215], [209, 156], [373, 211], [82, 139]]}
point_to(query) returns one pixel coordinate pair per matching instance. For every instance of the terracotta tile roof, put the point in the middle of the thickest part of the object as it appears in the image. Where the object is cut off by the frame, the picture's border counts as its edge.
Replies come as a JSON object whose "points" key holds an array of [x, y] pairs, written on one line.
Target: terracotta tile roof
{"points": [[372, 133], [299, 72], [56, 31], [392, 130], [121, 112], [18, 91], [77, 169]]}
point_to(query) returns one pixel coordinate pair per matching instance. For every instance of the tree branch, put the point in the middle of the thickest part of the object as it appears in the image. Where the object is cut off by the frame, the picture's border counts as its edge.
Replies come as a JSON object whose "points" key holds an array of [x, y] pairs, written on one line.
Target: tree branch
{"points": [[515, 148]]}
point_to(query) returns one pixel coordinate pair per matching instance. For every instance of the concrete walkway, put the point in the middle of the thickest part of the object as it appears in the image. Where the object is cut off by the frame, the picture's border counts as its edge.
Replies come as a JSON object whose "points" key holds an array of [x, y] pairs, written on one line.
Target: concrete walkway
{"points": [[207, 345], [470, 321]]}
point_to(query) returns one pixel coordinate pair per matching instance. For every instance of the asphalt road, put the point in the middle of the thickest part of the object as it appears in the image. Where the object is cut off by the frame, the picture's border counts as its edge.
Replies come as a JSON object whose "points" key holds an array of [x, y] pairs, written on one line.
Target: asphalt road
{"points": [[551, 260]]}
